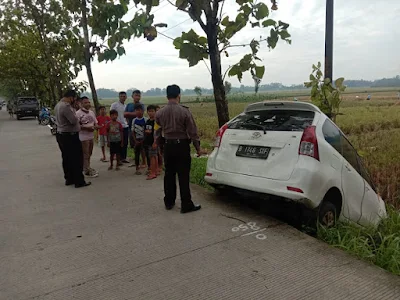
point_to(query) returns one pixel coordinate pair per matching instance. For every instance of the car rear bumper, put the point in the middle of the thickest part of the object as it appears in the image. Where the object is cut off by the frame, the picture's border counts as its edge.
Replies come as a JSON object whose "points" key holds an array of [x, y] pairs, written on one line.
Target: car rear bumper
{"points": [[27, 113], [262, 185]]}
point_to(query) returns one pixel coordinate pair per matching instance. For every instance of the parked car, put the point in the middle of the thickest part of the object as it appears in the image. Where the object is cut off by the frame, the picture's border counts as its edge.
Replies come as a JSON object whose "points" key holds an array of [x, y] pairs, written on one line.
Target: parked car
{"points": [[294, 151], [26, 107]]}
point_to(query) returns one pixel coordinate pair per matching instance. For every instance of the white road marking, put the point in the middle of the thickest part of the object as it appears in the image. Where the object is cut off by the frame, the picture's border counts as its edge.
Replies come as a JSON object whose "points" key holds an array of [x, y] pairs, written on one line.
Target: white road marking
{"points": [[254, 232]]}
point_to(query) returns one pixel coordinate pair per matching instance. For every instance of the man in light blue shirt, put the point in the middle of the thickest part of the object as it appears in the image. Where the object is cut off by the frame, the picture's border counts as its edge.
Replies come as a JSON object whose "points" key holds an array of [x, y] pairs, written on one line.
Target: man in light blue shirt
{"points": [[120, 106]]}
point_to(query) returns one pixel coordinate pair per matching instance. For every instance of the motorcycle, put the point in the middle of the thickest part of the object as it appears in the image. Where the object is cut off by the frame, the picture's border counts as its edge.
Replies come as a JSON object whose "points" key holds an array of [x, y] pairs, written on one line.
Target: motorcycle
{"points": [[44, 116], [52, 125]]}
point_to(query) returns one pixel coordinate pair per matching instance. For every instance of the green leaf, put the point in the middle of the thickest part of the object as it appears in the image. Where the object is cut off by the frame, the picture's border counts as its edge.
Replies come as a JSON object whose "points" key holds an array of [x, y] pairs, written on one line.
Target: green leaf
{"points": [[181, 3], [339, 82], [283, 25], [202, 40], [254, 45], [241, 2], [262, 11], [312, 77], [177, 43], [101, 57], [225, 21], [319, 65], [255, 24], [272, 40], [284, 34], [190, 36], [260, 70], [269, 22], [236, 71], [120, 50]]}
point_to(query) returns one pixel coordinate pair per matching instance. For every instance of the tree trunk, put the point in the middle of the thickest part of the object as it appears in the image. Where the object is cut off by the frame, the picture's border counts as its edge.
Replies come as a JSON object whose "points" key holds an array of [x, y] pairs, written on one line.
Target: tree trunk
{"points": [[218, 84], [88, 56]]}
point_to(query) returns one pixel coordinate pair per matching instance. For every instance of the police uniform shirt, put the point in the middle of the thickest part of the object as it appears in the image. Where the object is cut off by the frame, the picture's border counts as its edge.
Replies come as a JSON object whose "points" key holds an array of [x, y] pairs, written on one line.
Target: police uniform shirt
{"points": [[177, 122]]}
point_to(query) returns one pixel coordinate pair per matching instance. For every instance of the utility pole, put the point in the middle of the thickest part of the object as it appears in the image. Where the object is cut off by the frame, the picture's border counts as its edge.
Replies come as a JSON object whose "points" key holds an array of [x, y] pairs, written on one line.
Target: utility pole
{"points": [[329, 39]]}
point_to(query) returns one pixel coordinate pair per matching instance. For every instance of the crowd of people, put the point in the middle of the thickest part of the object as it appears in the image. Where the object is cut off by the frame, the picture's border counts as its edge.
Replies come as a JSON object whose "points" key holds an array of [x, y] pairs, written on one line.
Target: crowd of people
{"points": [[163, 136]]}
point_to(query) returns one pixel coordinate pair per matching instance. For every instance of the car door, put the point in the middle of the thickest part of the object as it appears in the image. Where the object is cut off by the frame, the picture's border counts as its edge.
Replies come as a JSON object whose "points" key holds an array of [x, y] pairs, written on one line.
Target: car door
{"points": [[371, 209], [353, 184]]}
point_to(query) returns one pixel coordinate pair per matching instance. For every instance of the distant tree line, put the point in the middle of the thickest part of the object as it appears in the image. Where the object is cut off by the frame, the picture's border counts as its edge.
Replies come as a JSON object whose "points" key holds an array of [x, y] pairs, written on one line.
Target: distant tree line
{"points": [[271, 87]]}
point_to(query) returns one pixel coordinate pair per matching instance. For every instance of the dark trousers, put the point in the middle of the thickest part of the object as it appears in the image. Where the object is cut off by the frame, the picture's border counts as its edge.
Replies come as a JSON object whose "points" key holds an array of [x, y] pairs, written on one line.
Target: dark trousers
{"points": [[124, 148], [177, 160], [72, 157], [139, 147]]}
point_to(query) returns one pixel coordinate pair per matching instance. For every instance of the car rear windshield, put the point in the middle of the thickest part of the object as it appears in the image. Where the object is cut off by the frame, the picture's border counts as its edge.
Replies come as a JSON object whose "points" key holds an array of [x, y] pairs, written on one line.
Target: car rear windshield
{"points": [[273, 120], [27, 101]]}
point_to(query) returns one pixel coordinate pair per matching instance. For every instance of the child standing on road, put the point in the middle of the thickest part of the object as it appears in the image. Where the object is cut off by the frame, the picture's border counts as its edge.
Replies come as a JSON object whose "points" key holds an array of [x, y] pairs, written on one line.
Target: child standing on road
{"points": [[138, 127], [88, 122], [150, 144], [102, 121], [115, 139]]}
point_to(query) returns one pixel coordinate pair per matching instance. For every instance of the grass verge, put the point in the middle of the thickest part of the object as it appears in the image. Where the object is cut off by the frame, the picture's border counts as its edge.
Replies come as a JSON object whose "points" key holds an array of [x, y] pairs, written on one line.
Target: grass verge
{"points": [[380, 246]]}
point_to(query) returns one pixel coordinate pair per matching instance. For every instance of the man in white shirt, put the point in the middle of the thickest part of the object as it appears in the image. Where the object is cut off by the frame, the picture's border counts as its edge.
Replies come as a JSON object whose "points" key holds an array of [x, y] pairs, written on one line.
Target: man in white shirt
{"points": [[120, 107]]}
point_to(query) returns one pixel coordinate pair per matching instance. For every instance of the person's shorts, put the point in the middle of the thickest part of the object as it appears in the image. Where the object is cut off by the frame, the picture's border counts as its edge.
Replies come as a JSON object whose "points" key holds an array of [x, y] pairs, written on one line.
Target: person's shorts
{"points": [[115, 148], [102, 140], [151, 151]]}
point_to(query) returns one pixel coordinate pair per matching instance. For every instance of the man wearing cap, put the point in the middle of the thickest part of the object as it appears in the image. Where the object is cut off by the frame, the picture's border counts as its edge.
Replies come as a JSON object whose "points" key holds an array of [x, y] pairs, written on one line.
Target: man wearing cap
{"points": [[180, 130], [68, 128]]}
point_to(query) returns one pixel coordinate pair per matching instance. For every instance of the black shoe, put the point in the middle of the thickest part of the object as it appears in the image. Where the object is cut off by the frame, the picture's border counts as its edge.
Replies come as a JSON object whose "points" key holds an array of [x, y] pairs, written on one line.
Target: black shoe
{"points": [[169, 207], [195, 207], [83, 184], [67, 182]]}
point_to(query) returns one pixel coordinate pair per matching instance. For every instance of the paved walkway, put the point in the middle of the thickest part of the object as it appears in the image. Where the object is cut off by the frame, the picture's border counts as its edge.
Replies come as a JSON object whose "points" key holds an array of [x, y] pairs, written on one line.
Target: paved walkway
{"points": [[114, 239]]}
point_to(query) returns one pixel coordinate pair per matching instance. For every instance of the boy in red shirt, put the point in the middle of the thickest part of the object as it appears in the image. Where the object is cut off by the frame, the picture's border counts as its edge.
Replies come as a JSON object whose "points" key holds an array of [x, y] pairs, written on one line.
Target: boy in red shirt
{"points": [[102, 121]]}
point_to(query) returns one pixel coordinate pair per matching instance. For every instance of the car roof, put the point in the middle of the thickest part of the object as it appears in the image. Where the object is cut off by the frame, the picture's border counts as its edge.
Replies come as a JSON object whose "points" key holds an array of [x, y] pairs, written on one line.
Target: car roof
{"points": [[296, 105]]}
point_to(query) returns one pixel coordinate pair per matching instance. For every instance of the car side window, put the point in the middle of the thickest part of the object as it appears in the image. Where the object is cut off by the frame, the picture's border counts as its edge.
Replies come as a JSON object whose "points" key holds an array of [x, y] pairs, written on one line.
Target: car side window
{"points": [[350, 154], [332, 135]]}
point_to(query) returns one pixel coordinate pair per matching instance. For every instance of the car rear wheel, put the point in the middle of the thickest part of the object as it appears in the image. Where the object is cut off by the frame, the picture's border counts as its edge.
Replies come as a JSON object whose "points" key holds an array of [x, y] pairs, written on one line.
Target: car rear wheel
{"points": [[327, 214], [18, 117]]}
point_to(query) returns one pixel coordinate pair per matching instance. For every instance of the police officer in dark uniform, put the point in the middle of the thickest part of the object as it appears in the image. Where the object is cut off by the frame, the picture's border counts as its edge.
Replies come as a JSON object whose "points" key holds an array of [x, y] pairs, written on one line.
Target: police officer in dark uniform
{"points": [[179, 131]]}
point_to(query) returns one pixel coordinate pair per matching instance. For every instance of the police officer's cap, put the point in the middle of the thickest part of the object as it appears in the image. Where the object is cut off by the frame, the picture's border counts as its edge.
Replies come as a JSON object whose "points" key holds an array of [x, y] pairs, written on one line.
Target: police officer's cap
{"points": [[173, 91]]}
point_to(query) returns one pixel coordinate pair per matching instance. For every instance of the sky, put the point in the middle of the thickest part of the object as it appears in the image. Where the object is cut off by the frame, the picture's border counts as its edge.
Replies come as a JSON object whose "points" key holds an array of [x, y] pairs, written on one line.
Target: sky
{"points": [[366, 46]]}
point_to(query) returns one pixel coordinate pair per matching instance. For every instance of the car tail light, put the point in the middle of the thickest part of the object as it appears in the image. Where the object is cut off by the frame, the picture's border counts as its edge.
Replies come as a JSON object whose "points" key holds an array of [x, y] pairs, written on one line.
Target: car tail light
{"points": [[308, 144], [209, 174], [295, 189], [220, 133]]}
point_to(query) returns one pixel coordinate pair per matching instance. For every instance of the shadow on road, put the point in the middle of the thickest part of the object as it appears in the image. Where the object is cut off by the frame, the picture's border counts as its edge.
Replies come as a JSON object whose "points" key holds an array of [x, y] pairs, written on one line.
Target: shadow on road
{"points": [[288, 212]]}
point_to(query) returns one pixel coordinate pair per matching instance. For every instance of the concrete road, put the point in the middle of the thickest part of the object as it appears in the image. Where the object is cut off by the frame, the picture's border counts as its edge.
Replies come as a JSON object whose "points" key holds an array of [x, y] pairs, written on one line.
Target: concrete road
{"points": [[115, 240]]}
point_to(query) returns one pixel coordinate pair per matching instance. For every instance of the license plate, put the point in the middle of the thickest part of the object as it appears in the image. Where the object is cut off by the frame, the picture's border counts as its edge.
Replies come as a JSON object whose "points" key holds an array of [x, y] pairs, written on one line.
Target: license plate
{"points": [[253, 151]]}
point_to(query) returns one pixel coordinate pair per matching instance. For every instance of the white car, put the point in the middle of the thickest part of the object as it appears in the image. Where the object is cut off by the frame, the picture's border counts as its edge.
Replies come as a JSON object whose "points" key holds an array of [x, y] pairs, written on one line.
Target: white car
{"points": [[294, 151]]}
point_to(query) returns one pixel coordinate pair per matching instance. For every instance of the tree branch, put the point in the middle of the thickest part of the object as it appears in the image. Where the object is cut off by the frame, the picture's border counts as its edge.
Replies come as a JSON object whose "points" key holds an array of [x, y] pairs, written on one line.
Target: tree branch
{"points": [[226, 72], [241, 45], [208, 68], [179, 8], [221, 11]]}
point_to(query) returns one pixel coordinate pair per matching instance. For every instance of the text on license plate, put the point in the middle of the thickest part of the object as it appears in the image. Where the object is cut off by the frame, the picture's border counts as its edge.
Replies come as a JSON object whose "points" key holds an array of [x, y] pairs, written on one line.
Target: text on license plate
{"points": [[253, 151]]}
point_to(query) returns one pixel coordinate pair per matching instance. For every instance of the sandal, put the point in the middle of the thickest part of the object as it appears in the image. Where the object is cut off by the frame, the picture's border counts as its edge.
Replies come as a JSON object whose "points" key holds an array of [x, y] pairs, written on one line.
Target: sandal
{"points": [[103, 160], [138, 173], [110, 168], [150, 177]]}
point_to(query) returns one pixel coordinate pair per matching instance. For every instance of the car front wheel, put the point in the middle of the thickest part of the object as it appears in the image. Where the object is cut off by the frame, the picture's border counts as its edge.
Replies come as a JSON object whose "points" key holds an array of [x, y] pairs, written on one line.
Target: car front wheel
{"points": [[327, 214]]}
